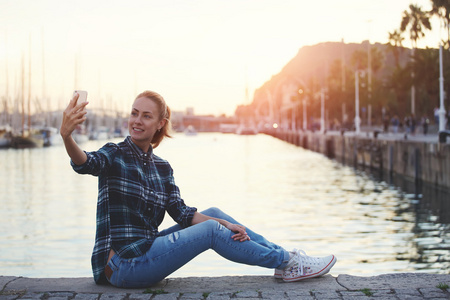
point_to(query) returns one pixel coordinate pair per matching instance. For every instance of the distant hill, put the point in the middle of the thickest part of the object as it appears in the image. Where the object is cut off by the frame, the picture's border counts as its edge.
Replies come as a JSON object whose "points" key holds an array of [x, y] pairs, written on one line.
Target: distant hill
{"points": [[313, 60], [316, 61]]}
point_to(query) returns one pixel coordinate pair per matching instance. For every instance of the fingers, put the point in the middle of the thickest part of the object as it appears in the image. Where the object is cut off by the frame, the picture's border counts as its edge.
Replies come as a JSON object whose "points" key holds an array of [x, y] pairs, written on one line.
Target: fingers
{"points": [[72, 103], [240, 233], [72, 119], [81, 107], [74, 100], [74, 108], [241, 237], [76, 113], [73, 116], [242, 229]]}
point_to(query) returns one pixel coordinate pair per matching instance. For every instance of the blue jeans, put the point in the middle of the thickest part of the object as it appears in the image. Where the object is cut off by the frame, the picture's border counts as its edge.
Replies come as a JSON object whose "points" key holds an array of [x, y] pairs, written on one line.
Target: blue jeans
{"points": [[176, 246]]}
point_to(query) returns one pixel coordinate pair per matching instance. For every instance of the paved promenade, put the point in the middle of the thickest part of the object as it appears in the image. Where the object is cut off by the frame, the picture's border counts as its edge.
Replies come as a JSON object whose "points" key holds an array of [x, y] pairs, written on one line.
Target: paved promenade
{"points": [[388, 286], [390, 136]]}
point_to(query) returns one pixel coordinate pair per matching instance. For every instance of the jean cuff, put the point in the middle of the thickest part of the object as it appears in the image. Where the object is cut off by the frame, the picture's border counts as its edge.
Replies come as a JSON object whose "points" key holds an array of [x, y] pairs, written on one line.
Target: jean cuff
{"points": [[285, 260]]}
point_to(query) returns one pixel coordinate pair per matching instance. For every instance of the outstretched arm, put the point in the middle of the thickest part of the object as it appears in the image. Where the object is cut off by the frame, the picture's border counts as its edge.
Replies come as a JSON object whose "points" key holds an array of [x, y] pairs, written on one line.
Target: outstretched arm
{"points": [[74, 115], [239, 230]]}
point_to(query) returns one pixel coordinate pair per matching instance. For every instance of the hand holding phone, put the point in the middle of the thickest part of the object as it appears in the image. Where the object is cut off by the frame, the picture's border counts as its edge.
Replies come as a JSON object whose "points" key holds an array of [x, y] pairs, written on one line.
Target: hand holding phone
{"points": [[82, 96], [74, 115]]}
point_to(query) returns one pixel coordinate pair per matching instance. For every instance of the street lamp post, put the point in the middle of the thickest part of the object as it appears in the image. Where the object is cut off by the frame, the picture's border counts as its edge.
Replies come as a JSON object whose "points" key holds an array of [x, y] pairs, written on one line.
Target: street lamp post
{"points": [[305, 124], [357, 118], [441, 92], [305, 121], [293, 123], [322, 110]]}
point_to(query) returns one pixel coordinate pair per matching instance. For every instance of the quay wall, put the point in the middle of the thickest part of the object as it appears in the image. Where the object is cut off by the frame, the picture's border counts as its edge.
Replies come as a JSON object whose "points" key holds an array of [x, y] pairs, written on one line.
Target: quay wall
{"points": [[418, 161]]}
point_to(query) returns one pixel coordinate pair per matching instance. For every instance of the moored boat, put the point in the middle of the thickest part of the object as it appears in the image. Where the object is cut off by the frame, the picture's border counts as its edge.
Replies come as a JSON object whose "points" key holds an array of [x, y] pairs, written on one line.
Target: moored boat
{"points": [[246, 130], [5, 137], [190, 130], [30, 140]]}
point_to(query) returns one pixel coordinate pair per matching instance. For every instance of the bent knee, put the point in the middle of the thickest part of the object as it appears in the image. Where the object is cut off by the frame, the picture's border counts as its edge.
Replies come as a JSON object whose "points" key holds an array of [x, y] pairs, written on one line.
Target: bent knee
{"points": [[213, 212], [214, 225]]}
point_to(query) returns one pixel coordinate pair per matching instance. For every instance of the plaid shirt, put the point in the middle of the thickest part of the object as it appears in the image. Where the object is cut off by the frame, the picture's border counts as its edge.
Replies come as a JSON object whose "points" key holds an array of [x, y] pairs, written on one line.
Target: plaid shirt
{"points": [[134, 191]]}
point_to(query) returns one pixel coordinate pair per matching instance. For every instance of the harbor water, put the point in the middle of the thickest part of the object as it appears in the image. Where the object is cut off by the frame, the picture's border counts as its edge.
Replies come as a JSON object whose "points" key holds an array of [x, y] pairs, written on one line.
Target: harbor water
{"points": [[294, 197]]}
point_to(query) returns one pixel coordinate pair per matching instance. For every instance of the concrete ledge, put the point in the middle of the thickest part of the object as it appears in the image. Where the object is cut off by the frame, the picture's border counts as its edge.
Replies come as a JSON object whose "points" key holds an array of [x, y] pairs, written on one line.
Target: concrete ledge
{"points": [[172, 285], [393, 281], [229, 285]]}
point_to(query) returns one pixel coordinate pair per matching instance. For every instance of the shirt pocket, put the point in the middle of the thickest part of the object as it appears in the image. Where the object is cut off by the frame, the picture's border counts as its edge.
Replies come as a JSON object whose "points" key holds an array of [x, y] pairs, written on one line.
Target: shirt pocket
{"points": [[161, 199], [152, 206]]}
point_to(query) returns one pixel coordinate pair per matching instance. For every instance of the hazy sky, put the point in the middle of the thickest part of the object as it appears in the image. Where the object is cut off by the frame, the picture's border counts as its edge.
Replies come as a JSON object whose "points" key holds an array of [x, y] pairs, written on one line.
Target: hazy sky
{"points": [[200, 54]]}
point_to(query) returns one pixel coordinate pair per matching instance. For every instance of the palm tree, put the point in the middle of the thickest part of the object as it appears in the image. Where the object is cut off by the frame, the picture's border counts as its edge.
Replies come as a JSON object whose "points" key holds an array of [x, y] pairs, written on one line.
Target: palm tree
{"points": [[426, 63], [396, 41], [441, 8], [359, 60], [416, 19]]}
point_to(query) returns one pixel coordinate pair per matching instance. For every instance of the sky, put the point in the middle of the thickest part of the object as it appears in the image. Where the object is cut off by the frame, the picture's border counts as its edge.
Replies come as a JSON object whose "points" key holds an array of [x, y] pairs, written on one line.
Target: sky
{"points": [[207, 54]]}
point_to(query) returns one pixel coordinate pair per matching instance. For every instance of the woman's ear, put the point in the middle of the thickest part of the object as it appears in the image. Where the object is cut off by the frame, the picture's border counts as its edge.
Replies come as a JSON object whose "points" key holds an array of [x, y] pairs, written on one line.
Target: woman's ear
{"points": [[162, 123]]}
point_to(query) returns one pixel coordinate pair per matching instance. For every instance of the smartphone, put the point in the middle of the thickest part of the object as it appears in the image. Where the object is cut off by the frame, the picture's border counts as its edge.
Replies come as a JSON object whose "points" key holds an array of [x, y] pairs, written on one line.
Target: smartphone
{"points": [[82, 97]]}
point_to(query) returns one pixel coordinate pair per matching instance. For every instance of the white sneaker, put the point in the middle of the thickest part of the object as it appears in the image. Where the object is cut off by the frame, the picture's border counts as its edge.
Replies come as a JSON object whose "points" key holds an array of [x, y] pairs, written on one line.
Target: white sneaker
{"points": [[278, 274], [302, 266]]}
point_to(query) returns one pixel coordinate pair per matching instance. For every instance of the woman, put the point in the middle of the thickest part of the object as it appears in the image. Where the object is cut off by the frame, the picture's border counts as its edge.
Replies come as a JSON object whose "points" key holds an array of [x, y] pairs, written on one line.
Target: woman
{"points": [[136, 188]]}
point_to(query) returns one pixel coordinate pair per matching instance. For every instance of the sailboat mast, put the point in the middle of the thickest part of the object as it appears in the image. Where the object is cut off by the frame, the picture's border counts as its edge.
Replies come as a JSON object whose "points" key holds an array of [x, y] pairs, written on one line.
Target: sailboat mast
{"points": [[5, 106], [22, 96], [76, 73], [43, 66], [44, 96], [29, 87]]}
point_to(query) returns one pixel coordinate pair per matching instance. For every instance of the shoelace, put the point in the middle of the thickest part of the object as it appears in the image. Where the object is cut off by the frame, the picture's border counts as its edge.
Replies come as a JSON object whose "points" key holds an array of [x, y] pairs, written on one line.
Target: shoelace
{"points": [[302, 259]]}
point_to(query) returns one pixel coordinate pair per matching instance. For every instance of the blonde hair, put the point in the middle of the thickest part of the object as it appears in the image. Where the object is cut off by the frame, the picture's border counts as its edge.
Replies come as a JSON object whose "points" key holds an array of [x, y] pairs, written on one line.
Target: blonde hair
{"points": [[164, 114]]}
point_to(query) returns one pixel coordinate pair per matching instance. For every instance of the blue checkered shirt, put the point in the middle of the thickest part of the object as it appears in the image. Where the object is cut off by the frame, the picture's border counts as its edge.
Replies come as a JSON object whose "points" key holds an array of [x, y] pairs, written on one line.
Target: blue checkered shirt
{"points": [[134, 191]]}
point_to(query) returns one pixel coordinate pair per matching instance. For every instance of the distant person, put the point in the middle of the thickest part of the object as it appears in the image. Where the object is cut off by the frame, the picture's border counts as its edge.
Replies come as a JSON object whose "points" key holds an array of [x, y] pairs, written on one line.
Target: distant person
{"points": [[386, 124], [395, 123], [407, 122], [413, 124], [401, 126], [425, 124], [136, 188], [335, 124], [436, 115], [448, 118]]}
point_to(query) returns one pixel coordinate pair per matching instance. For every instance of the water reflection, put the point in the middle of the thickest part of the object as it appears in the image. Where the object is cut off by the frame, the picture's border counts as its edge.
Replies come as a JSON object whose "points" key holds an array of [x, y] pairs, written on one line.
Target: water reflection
{"points": [[296, 198], [427, 207]]}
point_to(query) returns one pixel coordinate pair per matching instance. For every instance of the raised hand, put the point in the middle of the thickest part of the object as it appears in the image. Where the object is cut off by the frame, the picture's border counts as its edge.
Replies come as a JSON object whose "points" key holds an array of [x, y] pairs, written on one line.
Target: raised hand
{"points": [[73, 115]]}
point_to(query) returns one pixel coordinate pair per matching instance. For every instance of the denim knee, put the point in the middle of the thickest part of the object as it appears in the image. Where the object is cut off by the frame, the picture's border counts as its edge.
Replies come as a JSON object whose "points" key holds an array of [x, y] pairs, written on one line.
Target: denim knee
{"points": [[213, 212], [213, 225]]}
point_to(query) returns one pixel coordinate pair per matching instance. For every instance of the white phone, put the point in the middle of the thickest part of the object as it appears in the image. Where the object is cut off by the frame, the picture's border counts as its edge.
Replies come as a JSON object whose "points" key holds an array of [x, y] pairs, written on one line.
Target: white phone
{"points": [[82, 97]]}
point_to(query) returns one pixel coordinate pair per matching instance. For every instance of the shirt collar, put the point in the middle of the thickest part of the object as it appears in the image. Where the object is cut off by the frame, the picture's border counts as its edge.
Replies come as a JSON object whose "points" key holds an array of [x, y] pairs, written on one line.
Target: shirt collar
{"points": [[138, 151]]}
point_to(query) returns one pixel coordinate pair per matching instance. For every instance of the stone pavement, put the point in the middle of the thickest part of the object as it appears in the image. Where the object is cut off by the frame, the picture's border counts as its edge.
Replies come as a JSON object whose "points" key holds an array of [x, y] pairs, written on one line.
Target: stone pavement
{"points": [[388, 286]]}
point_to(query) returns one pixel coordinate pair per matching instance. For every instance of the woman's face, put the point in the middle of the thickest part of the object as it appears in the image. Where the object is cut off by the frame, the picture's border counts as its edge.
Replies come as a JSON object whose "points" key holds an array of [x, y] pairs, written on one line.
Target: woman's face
{"points": [[144, 122]]}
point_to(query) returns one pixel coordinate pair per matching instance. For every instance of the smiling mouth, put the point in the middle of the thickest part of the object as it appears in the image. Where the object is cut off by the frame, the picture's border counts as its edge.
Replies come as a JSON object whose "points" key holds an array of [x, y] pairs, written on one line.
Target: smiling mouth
{"points": [[137, 129]]}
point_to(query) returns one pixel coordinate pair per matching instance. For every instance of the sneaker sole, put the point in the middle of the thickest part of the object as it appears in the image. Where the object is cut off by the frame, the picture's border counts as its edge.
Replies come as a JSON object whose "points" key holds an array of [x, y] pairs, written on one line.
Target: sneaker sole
{"points": [[278, 274], [320, 273]]}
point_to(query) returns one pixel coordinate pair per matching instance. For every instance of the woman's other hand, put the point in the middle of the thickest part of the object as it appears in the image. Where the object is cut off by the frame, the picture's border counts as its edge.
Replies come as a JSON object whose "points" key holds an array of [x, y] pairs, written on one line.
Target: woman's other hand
{"points": [[240, 232]]}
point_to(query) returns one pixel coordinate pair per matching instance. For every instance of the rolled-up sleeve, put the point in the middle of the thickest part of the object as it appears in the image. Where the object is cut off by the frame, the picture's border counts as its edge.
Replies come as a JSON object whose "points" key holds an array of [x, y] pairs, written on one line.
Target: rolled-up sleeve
{"points": [[97, 161], [182, 214], [177, 209]]}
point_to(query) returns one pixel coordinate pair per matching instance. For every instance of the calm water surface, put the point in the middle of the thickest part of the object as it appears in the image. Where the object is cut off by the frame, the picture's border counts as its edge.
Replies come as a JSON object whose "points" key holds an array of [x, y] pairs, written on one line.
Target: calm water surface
{"points": [[296, 198]]}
